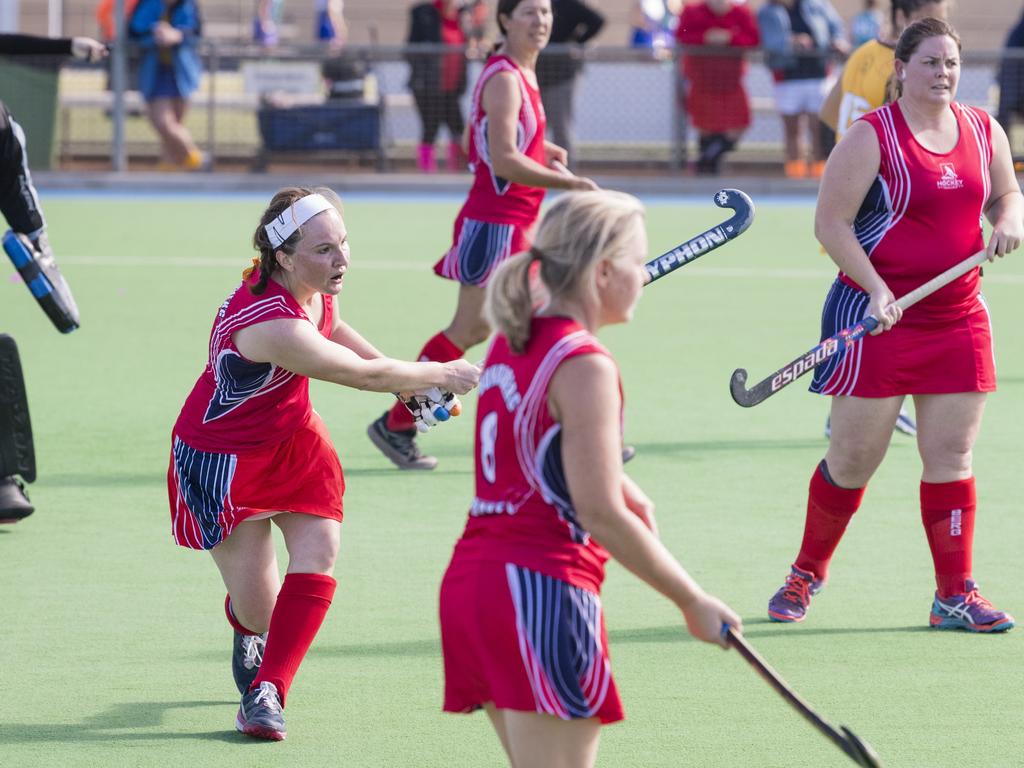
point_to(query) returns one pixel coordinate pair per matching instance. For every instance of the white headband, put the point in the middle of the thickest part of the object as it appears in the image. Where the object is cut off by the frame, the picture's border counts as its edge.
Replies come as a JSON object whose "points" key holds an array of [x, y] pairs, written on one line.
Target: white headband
{"points": [[293, 217]]}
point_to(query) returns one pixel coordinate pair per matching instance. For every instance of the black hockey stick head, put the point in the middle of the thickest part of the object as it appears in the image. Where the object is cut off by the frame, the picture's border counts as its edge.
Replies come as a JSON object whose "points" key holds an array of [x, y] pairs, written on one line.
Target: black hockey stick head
{"points": [[738, 389], [707, 241], [860, 750]]}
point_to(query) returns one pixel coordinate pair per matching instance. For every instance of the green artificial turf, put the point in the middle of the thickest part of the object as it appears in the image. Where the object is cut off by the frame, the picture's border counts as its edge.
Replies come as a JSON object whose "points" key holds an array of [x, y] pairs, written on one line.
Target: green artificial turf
{"points": [[113, 646]]}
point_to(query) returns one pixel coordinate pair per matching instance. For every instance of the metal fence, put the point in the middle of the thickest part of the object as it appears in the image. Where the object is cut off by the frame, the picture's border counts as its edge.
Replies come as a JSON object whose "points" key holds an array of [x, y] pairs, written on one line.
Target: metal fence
{"points": [[253, 109]]}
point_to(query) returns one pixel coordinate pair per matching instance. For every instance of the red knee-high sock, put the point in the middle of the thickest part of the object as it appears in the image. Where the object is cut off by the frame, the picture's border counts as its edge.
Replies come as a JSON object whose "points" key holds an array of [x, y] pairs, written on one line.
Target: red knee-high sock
{"points": [[829, 509], [947, 511], [439, 349], [301, 606], [233, 620]]}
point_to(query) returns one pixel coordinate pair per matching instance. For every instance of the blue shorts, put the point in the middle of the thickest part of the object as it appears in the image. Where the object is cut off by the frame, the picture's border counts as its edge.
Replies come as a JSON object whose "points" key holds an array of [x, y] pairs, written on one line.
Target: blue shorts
{"points": [[478, 248], [165, 86]]}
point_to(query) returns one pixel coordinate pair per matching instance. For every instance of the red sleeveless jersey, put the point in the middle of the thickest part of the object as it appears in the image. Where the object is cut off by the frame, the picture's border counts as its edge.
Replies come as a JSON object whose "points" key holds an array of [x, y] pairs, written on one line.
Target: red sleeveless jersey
{"points": [[521, 511], [923, 213], [237, 404], [492, 198]]}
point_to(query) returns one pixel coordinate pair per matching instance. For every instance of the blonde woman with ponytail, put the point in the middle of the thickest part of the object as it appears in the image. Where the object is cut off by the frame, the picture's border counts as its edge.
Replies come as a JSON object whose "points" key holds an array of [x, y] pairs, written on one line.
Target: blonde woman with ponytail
{"points": [[522, 629], [248, 449]]}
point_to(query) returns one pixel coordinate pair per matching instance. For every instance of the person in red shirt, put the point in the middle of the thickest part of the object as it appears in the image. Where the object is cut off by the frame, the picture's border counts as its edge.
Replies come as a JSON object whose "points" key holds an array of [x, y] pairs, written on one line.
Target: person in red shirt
{"points": [[716, 99], [438, 80], [512, 167], [901, 201], [248, 449], [522, 628]]}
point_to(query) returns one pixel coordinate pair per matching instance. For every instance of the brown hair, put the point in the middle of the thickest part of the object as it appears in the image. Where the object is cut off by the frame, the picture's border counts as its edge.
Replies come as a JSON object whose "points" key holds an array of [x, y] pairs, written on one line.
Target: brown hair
{"points": [[920, 31], [910, 6], [266, 262], [505, 8], [578, 230]]}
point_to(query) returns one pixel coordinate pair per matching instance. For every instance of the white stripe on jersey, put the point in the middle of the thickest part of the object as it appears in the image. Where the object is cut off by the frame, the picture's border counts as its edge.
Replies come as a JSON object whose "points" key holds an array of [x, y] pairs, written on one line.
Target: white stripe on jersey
{"points": [[899, 184], [535, 400], [974, 120]]}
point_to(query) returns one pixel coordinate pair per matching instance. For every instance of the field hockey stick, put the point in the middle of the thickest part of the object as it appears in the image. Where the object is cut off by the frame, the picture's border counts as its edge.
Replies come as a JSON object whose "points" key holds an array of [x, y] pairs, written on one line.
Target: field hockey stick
{"points": [[708, 241], [856, 748], [838, 343], [705, 242]]}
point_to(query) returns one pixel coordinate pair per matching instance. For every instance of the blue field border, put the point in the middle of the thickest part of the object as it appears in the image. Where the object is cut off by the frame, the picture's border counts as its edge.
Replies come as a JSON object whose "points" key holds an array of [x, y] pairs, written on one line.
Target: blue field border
{"points": [[651, 200]]}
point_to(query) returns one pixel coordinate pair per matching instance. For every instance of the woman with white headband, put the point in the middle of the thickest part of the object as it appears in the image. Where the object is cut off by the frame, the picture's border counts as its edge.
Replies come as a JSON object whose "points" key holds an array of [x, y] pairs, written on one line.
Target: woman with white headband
{"points": [[248, 449]]}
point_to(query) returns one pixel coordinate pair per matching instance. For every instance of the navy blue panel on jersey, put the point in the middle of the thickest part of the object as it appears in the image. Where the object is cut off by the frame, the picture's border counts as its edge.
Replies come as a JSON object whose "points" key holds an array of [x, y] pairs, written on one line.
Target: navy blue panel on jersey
{"points": [[556, 489], [874, 217], [238, 379]]}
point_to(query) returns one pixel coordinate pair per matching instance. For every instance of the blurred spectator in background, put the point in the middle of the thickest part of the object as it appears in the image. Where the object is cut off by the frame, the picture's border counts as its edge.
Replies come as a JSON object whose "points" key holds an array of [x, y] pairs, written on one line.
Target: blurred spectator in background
{"points": [[105, 18], [797, 36], [867, 79], [653, 23], [574, 24], [108, 33], [476, 31], [167, 32], [866, 25], [330, 23], [438, 80], [1011, 79], [264, 25], [716, 101]]}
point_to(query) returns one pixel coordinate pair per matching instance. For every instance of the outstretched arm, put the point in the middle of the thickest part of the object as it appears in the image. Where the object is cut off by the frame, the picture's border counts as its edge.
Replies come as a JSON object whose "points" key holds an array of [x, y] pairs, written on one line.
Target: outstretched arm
{"points": [[297, 346], [84, 48]]}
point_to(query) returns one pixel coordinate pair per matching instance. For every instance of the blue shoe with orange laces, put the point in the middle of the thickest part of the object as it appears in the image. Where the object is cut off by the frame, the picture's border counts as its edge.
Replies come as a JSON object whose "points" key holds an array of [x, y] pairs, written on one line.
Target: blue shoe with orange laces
{"points": [[790, 603], [969, 611]]}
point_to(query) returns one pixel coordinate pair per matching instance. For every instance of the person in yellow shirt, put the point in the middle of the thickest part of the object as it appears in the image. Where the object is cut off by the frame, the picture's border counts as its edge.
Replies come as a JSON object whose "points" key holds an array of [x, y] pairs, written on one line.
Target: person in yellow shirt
{"points": [[866, 84]]}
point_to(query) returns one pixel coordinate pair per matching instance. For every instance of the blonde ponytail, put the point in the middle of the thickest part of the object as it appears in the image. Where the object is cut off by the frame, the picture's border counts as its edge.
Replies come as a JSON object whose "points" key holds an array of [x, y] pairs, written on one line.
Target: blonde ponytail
{"points": [[578, 230], [509, 303]]}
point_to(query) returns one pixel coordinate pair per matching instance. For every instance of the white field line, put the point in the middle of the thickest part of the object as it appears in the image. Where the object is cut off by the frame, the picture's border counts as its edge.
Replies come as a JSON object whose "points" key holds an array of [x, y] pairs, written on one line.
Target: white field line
{"points": [[754, 273]]}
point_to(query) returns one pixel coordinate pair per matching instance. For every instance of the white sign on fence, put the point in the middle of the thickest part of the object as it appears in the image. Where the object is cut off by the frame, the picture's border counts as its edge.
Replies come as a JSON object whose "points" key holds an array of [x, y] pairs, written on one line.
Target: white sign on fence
{"points": [[291, 77]]}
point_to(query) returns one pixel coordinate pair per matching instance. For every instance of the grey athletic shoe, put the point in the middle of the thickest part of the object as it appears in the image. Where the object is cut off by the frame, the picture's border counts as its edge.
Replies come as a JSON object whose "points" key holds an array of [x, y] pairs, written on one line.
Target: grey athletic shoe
{"points": [[905, 424], [246, 657], [400, 447], [260, 714]]}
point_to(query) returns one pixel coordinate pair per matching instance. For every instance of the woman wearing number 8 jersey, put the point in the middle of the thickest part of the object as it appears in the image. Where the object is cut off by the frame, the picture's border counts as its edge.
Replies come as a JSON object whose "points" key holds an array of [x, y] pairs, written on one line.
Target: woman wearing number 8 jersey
{"points": [[522, 627], [900, 202]]}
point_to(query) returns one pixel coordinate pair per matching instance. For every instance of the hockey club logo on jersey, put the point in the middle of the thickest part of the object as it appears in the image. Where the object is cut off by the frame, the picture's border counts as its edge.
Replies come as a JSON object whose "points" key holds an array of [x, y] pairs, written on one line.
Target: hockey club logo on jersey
{"points": [[948, 178]]}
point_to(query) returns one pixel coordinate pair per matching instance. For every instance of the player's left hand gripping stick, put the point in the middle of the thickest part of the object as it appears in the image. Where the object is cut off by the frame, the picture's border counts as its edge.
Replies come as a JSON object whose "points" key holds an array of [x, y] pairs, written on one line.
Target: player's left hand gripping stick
{"points": [[432, 406]]}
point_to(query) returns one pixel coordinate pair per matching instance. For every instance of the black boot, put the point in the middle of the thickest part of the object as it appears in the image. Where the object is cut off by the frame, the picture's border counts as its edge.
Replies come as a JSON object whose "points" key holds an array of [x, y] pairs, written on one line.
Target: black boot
{"points": [[711, 156], [14, 504]]}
